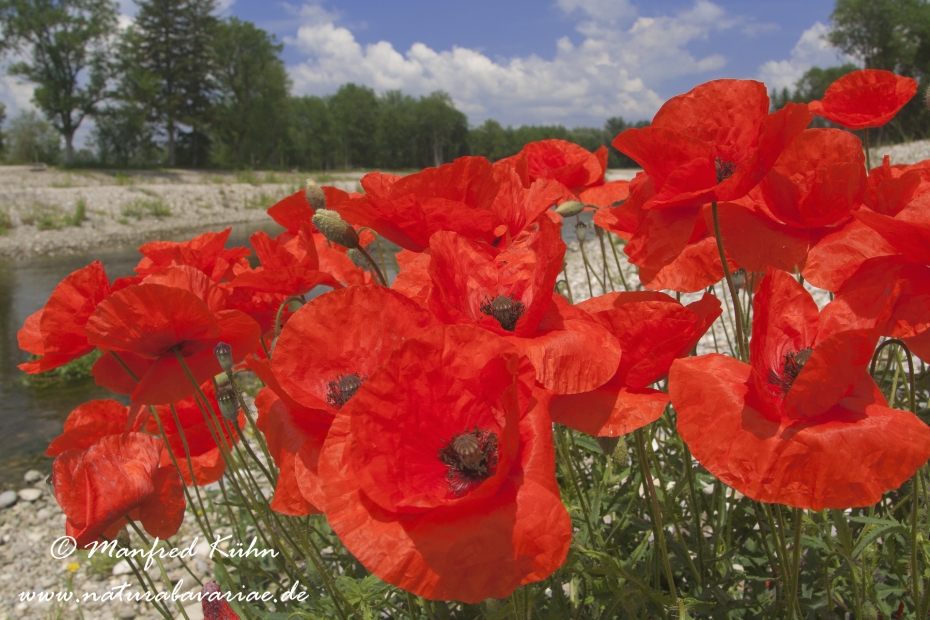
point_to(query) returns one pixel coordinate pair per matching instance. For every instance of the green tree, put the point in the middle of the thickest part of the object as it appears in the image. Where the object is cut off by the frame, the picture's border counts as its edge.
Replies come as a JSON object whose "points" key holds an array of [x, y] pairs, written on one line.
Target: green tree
{"points": [[310, 134], [32, 139], [67, 43], [490, 140], [442, 127], [355, 112], [123, 137], [397, 130], [879, 33], [252, 91], [168, 61]]}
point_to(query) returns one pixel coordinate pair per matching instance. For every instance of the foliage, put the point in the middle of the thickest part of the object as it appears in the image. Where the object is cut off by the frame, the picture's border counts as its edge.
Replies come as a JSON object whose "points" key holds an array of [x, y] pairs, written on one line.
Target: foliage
{"points": [[73, 372], [250, 114], [123, 137], [69, 58], [167, 64], [146, 207], [31, 139]]}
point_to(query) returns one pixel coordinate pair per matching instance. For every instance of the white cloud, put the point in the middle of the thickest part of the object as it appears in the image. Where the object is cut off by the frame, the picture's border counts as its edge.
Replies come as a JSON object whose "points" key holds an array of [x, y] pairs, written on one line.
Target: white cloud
{"points": [[811, 50], [615, 70]]}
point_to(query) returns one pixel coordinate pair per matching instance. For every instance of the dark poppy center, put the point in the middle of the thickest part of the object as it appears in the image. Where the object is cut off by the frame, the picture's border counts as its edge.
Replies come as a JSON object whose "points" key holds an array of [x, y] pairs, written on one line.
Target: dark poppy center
{"points": [[506, 310], [471, 458], [725, 169], [793, 364], [339, 392]]}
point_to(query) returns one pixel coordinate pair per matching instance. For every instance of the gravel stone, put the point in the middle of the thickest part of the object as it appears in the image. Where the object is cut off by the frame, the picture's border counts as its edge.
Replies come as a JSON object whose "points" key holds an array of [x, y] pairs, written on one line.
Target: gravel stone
{"points": [[30, 495], [32, 476], [7, 499]]}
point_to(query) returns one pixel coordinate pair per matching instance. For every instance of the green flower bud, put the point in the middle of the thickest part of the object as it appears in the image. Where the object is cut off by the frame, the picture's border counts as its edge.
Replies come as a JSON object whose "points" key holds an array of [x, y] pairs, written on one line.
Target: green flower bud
{"points": [[315, 196], [331, 224], [580, 231], [570, 208]]}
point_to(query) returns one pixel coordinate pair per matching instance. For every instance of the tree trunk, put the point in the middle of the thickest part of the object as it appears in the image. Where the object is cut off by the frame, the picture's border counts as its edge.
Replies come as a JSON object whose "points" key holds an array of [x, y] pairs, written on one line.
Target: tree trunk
{"points": [[437, 150], [69, 148], [171, 155]]}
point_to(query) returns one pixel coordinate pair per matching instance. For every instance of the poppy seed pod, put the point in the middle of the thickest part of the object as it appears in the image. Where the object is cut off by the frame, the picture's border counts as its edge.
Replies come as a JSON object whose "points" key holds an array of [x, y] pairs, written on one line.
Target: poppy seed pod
{"points": [[570, 208], [580, 231], [229, 405], [315, 196], [223, 354], [335, 228]]}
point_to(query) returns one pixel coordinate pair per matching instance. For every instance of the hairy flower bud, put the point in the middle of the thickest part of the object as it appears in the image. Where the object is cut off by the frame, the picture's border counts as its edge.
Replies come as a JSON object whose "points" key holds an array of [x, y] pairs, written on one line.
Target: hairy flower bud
{"points": [[229, 404], [334, 228], [223, 353], [315, 196], [570, 208], [615, 448]]}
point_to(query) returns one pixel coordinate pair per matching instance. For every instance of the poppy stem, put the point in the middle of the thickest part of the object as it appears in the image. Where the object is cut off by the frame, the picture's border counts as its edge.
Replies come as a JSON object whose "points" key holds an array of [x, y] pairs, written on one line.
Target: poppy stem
{"points": [[277, 317], [910, 367], [613, 249], [796, 560], [655, 513], [374, 266], [607, 277], [161, 568], [868, 155], [738, 313], [568, 286]]}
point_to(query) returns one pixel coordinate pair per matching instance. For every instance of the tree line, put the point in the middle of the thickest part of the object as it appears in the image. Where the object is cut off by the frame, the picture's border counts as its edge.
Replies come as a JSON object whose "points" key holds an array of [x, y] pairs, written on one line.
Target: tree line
{"points": [[181, 87]]}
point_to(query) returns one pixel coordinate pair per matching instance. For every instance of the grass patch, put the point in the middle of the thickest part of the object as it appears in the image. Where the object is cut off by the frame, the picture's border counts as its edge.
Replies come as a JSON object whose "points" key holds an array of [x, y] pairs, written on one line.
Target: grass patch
{"points": [[74, 371], [124, 179], [6, 222], [142, 208], [262, 201], [247, 176], [80, 212], [46, 216], [65, 183]]}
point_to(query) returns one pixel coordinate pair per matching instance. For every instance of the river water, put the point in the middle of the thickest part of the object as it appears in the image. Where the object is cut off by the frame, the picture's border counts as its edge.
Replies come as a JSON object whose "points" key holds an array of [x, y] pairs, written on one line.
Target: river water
{"points": [[31, 417]]}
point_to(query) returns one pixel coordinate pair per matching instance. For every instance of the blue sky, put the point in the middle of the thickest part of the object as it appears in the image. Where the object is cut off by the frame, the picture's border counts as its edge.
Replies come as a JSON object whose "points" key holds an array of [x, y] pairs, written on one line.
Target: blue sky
{"points": [[574, 62]]}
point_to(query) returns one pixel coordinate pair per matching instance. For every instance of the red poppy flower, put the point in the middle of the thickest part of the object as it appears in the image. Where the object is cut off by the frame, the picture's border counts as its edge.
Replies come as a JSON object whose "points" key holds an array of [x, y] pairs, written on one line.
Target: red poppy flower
{"points": [[56, 332], [606, 195], [653, 330], [294, 213], [337, 339], [206, 459], [803, 424], [439, 474], [835, 254], [214, 606], [623, 219], [177, 309], [95, 419], [290, 268], [817, 182], [117, 477], [295, 435], [572, 165], [888, 294], [714, 143], [206, 253], [520, 202], [866, 98], [509, 292], [407, 210]]}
